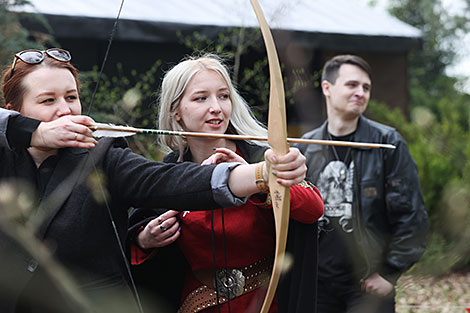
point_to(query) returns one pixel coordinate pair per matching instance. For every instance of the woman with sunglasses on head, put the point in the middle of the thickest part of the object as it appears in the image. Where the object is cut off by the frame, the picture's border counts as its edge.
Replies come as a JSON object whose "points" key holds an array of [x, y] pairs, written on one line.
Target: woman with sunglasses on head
{"points": [[69, 131], [43, 146], [197, 95]]}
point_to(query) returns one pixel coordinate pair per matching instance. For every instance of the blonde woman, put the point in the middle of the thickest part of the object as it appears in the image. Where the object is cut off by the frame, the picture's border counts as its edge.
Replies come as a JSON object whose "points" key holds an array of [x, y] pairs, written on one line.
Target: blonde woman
{"points": [[197, 95]]}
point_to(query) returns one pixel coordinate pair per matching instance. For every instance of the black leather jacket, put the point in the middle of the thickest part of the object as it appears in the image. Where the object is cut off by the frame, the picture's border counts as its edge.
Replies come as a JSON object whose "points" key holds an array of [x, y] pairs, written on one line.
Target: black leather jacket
{"points": [[388, 210]]}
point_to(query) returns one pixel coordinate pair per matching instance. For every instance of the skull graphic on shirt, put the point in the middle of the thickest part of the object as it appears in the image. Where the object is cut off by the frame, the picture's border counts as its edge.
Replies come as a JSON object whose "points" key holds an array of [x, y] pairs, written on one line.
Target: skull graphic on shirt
{"points": [[336, 187]]}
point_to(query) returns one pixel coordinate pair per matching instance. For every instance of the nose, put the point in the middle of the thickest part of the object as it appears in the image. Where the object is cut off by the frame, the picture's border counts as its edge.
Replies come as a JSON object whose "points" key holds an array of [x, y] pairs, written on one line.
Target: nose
{"points": [[63, 108], [360, 92], [214, 106]]}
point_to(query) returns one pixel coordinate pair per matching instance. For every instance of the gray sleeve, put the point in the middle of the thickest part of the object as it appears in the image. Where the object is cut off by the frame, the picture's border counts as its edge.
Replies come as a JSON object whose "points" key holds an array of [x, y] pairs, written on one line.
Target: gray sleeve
{"points": [[4, 117], [220, 190]]}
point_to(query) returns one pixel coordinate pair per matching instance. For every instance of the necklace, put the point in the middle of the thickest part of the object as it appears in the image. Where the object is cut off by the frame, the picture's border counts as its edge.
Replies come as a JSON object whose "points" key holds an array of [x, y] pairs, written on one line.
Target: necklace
{"points": [[342, 172]]}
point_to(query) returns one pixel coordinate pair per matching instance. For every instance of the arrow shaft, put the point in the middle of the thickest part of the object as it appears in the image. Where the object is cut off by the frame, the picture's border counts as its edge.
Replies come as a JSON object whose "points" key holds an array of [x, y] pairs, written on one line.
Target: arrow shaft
{"points": [[241, 137]]}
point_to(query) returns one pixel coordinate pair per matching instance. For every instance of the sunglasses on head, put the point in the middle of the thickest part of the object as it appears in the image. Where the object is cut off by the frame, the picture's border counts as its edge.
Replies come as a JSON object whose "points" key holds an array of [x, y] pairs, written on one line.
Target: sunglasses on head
{"points": [[37, 56]]}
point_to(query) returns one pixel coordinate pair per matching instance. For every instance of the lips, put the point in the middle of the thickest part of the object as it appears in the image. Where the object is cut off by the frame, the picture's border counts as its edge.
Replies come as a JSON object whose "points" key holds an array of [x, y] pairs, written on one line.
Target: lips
{"points": [[357, 102], [214, 122]]}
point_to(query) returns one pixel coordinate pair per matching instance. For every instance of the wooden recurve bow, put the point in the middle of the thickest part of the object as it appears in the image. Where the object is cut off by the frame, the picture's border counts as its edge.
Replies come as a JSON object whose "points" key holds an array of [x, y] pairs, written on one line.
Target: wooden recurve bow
{"points": [[277, 139]]}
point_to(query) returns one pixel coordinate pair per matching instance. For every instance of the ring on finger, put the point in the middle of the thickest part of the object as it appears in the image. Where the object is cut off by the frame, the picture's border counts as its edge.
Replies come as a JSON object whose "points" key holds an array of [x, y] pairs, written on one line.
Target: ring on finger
{"points": [[163, 228]]}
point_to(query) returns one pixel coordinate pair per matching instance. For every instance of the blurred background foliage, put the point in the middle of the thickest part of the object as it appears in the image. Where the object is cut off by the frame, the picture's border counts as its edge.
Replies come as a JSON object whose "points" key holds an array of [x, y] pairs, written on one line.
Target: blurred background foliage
{"points": [[125, 100], [437, 126], [437, 130], [13, 37]]}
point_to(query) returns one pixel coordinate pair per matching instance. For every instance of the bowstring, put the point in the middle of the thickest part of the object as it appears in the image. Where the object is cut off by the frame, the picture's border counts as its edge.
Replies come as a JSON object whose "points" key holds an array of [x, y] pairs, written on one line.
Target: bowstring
{"points": [[105, 59], [113, 223], [121, 248]]}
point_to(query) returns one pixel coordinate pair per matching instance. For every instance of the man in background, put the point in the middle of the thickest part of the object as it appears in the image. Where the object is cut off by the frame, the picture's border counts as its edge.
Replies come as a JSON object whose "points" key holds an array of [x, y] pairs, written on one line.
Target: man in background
{"points": [[375, 222]]}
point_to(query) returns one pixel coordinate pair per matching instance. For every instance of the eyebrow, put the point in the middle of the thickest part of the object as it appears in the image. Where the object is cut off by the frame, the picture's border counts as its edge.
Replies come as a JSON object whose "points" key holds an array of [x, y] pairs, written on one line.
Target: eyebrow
{"points": [[49, 93], [357, 82], [203, 90]]}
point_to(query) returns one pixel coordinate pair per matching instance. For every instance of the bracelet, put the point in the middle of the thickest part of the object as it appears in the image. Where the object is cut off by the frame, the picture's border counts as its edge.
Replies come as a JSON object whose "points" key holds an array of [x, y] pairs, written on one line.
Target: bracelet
{"points": [[260, 183]]}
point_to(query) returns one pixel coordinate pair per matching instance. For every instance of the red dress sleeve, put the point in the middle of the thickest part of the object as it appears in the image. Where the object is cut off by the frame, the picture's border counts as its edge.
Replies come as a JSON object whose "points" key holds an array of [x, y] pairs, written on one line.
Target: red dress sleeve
{"points": [[138, 255], [306, 203]]}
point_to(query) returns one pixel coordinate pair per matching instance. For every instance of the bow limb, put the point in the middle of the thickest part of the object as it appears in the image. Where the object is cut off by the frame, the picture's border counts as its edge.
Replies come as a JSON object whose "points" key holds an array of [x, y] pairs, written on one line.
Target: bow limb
{"points": [[277, 138]]}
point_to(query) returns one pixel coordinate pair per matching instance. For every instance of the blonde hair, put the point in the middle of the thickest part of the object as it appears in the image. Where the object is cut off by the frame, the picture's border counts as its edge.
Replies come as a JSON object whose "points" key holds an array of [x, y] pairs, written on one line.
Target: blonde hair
{"points": [[242, 120]]}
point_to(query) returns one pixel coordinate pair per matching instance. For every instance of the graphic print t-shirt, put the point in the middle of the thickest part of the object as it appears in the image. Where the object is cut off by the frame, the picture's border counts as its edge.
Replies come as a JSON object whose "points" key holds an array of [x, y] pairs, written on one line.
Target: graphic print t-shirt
{"points": [[336, 226]]}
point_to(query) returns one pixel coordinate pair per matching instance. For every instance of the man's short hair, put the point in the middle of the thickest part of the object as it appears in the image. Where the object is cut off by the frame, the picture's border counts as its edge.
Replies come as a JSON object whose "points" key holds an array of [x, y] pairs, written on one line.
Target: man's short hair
{"points": [[331, 69]]}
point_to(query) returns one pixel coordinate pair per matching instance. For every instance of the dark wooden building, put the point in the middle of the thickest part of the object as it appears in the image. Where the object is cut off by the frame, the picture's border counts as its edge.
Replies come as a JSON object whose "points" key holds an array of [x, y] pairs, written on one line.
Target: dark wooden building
{"points": [[306, 32]]}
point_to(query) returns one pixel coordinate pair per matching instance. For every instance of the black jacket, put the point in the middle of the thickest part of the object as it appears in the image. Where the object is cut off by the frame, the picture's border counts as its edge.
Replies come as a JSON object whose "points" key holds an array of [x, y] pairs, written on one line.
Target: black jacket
{"points": [[388, 208], [78, 228], [297, 288]]}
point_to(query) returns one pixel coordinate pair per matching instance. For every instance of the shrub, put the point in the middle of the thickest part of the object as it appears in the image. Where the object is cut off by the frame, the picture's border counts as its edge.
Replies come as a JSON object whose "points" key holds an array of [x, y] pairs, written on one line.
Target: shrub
{"points": [[440, 144]]}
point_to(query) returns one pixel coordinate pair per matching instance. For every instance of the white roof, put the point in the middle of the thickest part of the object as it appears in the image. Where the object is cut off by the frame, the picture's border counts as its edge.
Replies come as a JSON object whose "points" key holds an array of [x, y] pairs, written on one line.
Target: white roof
{"points": [[324, 16]]}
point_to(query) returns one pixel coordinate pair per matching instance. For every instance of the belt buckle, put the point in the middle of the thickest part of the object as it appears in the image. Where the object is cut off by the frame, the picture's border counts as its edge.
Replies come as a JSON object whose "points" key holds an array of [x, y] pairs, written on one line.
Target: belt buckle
{"points": [[230, 283]]}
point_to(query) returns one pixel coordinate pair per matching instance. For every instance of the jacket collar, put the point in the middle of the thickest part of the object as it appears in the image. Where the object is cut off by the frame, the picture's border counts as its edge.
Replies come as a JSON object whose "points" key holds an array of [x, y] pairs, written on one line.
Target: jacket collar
{"points": [[363, 130], [362, 134]]}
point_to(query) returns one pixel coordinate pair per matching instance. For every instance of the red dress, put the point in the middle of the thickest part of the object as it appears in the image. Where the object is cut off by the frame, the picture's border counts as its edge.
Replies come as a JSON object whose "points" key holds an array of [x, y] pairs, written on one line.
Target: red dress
{"points": [[249, 237]]}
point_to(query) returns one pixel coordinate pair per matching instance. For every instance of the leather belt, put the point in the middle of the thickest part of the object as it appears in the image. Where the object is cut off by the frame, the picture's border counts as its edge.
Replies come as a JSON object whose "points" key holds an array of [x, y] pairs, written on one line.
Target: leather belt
{"points": [[231, 284]]}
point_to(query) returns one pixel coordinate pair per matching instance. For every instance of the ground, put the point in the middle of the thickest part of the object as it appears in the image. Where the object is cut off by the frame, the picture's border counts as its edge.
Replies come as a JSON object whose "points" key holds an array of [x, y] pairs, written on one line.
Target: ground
{"points": [[447, 294]]}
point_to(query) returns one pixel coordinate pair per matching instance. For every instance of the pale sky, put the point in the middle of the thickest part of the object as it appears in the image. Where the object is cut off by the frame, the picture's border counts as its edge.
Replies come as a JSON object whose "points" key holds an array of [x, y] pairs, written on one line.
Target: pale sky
{"points": [[461, 68]]}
